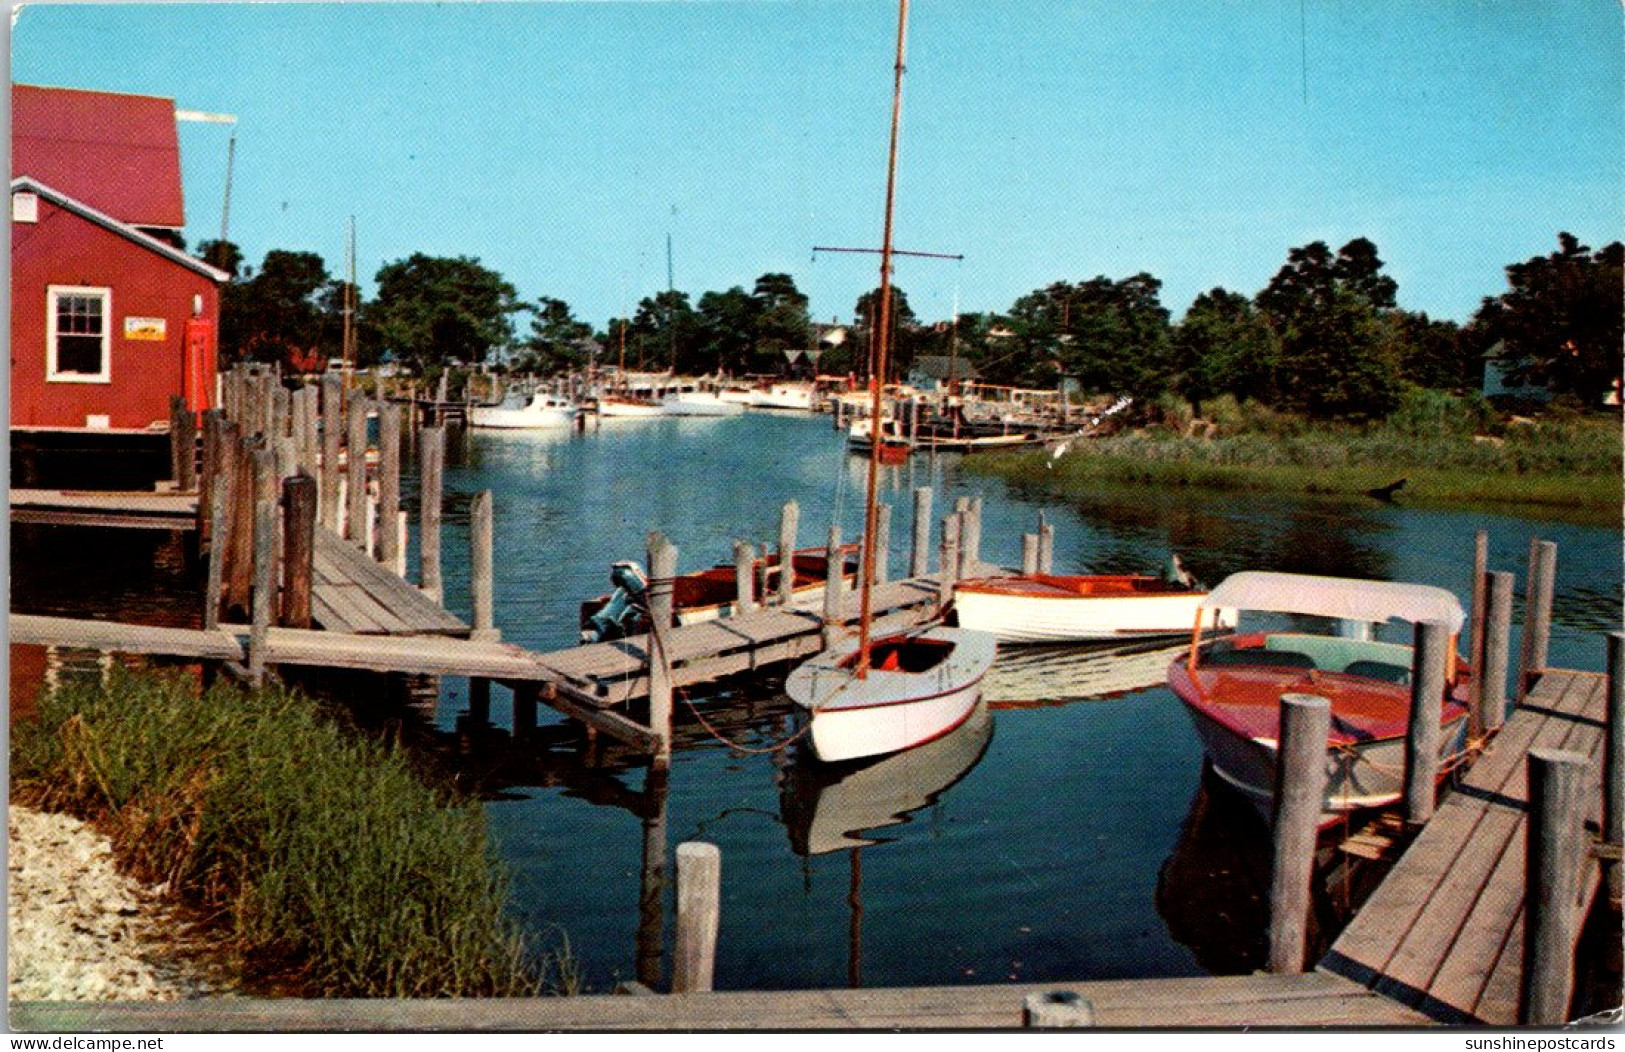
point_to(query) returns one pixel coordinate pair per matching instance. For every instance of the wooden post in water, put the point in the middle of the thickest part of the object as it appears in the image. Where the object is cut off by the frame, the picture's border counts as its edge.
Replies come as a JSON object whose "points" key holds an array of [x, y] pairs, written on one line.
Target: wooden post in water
{"points": [[264, 563], [389, 483], [1555, 855], [662, 562], [240, 563], [1300, 793], [432, 458], [1046, 546], [1537, 622], [789, 517], [1613, 768], [220, 504], [482, 575], [1492, 699], [355, 518], [332, 430], [524, 709], [1422, 736], [1029, 554], [699, 914], [919, 563], [744, 578], [1475, 654], [299, 501], [833, 565], [182, 445], [948, 559], [882, 544]]}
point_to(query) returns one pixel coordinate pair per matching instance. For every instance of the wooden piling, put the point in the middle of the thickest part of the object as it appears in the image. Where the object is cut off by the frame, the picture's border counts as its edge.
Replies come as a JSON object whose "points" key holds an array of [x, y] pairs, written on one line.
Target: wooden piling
{"points": [[948, 558], [1029, 554], [482, 576], [1429, 657], [833, 565], [389, 483], [1537, 623], [264, 563], [789, 518], [919, 563], [299, 500], [524, 710], [662, 563], [208, 477], [332, 430], [882, 544], [1300, 793], [355, 471], [974, 545], [240, 559], [1554, 856], [1475, 656], [699, 914], [1046, 546], [1498, 589], [221, 501], [431, 462], [744, 578], [182, 445], [1613, 768], [479, 702], [1055, 1009]]}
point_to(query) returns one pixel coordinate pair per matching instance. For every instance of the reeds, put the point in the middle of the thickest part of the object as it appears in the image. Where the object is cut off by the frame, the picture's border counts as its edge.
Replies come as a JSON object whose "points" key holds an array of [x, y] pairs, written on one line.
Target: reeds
{"points": [[332, 867]]}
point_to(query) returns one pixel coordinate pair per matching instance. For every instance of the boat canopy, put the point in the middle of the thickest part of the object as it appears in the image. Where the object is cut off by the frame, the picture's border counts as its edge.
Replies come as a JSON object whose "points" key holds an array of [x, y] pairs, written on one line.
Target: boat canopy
{"points": [[1340, 597]]}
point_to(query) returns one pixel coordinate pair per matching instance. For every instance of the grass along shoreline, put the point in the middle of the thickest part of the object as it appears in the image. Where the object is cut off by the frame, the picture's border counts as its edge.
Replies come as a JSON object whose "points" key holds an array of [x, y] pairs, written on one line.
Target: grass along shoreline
{"points": [[1560, 464], [321, 861]]}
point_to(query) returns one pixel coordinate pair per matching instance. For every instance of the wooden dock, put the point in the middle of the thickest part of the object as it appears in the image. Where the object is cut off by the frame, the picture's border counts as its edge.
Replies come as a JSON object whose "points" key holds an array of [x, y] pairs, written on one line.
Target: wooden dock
{"points": [[122, 509], [1444, 932]]}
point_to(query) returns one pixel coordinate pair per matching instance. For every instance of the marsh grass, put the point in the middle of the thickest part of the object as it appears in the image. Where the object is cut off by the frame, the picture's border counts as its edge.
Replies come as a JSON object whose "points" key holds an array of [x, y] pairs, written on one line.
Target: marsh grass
{"points": [[331, 867], [1566, 461]]}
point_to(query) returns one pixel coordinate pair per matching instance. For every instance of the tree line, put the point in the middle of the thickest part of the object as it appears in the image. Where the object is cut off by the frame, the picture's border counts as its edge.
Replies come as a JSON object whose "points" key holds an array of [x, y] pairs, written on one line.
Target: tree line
{"points": [[1325, 337]]}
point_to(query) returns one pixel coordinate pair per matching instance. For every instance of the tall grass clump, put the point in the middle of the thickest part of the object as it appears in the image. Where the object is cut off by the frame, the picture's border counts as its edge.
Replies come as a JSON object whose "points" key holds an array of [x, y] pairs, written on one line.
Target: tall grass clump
{"points": [[333, 867]]}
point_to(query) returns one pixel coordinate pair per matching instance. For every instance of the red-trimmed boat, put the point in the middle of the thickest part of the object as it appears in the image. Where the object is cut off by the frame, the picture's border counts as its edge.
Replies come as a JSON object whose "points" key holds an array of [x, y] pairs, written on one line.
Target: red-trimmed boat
{"points": [[1232, 686]]}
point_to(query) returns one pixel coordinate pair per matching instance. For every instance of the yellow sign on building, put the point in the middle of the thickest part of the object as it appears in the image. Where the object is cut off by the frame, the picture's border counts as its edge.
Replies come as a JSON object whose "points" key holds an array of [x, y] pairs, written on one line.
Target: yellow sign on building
{"points": [[144, 328]]}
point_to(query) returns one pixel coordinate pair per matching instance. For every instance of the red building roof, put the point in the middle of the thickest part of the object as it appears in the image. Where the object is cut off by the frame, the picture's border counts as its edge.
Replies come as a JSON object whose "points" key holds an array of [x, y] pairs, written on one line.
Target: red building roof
{"points": [[119, 154]]}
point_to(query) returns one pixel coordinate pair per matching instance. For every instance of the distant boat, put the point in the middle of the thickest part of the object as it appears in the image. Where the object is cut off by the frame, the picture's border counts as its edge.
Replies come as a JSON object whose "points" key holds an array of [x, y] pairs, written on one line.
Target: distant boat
{"points": [[1232, 687], [699, 403], [516, 411], [793, 397], [1047, 608], [627, 407]]}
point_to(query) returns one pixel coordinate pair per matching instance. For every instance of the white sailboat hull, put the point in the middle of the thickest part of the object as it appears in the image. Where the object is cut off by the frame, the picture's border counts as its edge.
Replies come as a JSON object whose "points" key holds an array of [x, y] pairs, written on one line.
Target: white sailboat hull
{"points": [[889, 711], [695, 403], [1020, 616]]}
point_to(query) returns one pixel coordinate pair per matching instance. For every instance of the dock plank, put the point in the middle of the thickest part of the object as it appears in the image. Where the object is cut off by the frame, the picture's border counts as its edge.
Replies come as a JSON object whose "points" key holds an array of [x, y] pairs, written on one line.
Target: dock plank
{"points": [[379, 601], [204, 644], [1442, 932]]}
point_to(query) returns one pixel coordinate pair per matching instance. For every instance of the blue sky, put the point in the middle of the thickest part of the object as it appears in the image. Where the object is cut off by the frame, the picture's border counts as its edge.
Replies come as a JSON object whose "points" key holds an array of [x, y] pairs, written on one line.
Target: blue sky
{"points": [[561, 143]]}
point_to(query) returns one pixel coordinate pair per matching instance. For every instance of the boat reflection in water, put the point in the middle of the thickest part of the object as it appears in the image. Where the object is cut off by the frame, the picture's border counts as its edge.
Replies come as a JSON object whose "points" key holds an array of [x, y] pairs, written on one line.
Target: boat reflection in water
{"points": [[840, 807], [1028, 677]]}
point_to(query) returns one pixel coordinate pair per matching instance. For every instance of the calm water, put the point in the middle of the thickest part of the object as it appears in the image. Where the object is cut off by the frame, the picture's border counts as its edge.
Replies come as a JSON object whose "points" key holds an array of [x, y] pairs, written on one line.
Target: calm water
{"points": [[1070, 837], [1067, 836]]}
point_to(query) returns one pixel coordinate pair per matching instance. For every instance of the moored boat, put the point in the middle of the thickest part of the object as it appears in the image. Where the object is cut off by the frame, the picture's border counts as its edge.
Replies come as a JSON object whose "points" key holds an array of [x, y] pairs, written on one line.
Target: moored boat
{"points": [[625, 407], [1048, 608], [699, 403], [540, 411], [1231, 687], [708, 594]]}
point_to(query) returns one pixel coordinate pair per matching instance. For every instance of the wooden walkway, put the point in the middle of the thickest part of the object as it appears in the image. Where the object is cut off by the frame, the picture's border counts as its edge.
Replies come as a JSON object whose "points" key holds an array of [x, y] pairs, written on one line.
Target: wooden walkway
{"points": [[1444, 932], [1230, 1002], [354, 594], [126, 510]]}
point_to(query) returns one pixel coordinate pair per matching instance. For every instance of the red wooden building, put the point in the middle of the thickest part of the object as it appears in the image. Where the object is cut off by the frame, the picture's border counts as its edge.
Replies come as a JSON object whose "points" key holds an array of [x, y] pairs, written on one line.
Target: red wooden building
{"points": [[108, 318]]}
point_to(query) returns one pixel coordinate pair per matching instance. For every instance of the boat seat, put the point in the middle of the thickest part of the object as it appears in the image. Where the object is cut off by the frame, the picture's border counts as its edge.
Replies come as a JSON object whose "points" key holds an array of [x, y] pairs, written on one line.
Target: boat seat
{"points": [[1380, 670], [1259, 657]]}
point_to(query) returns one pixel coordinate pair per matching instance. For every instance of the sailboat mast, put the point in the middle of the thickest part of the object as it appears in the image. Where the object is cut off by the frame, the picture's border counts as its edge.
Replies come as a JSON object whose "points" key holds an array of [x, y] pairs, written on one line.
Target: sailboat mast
{"points": [[877, 369]]}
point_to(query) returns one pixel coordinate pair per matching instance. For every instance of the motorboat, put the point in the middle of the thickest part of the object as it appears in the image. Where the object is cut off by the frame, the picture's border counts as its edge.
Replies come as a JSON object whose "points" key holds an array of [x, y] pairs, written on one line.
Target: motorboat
{"points": [[542, 410], [619, 407], [1050, 608], [699, 403], [1231, 686]]}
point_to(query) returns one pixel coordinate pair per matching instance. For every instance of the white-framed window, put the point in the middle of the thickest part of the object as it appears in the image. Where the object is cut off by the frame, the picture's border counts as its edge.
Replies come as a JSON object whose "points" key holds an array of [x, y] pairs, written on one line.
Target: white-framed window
{"points": [[78, 334]]}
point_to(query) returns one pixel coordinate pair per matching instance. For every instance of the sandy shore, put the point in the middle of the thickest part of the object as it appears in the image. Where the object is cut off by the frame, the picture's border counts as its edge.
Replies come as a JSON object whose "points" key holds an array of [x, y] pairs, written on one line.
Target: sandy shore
{"points": [[79, 930]]}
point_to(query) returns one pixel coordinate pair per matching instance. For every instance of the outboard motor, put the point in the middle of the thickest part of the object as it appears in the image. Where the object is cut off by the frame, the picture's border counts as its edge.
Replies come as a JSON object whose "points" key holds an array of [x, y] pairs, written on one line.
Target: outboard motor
{"points": [[614, 620]]}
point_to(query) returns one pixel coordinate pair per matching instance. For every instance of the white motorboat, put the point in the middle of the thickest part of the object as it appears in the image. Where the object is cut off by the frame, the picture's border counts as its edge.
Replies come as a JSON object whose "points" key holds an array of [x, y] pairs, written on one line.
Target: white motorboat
{"points": [[625, 407], [699, 403], [1046, 608], [543, 410], [792, 397]]}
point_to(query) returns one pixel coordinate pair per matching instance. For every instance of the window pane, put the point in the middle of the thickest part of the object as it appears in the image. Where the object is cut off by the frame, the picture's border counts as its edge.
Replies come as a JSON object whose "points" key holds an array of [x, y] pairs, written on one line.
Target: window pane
{"points": [[79, 354]]}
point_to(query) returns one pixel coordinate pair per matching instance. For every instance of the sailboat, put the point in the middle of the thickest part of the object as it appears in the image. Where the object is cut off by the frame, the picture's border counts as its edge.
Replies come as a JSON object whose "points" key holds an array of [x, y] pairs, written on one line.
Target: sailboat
{"points": [[874, 696]]}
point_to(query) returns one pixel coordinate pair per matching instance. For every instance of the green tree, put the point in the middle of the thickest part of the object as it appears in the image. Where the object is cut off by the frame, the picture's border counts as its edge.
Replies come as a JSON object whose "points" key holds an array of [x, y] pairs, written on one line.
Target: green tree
{"points": [[900, 351], [432, 310], [1433, 354], [727, 331], [285, 310], [1108, 335], [1560, 321], [557, 342], [1223, 346], [1332, 315], [222, 255], [668, 331], [782, 321]]}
